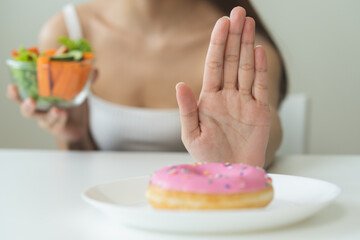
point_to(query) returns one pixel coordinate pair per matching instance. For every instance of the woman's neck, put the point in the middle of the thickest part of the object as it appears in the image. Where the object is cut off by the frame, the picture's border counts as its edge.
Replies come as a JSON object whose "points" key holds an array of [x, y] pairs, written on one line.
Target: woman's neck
{"points": [[152, 16], [156, 10]]}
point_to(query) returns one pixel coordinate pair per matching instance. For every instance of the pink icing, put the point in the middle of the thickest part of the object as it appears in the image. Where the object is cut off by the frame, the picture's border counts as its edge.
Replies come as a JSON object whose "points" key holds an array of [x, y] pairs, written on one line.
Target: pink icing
{"points": [[222, 178]]}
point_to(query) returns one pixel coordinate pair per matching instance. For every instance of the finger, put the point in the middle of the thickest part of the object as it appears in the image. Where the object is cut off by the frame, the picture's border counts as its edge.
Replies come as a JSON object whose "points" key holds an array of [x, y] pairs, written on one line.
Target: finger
{"points": [[215, 56], [246, 65], [48, 119], [189, 115], [28, 108], [260, 87], [59, 124], [232, 52], [94, 75], [13, 94]]}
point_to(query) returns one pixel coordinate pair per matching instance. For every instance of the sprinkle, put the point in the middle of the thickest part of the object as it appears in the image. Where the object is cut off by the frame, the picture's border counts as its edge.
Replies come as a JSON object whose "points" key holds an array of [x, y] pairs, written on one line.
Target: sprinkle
{"points": [[242, 184], [243, 168], [186, 176], [210, 181], [227, 186], [172, 168], [172, 171], [228, 165], [241, 174], [218, 175], [206, 173]]}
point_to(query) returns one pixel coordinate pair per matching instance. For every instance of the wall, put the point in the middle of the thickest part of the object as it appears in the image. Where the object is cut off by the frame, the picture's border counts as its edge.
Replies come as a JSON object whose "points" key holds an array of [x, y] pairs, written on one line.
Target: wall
{"points": [[319, 40]]}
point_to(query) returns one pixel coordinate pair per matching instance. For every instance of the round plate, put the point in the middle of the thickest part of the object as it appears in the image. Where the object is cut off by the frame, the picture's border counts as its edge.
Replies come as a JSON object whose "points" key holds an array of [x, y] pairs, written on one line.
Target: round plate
{"points": [[295, 198]]}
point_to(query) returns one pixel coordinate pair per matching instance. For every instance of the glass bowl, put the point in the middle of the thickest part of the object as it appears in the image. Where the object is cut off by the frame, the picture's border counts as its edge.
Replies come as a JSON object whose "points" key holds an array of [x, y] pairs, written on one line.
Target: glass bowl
{"points": [[52, 83]]}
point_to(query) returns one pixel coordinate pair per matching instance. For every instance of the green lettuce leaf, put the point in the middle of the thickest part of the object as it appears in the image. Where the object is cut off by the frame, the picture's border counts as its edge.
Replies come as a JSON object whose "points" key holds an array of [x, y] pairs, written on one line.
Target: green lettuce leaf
{"points": [[25, 56], [67, 42], [80, 44], [83, 45]]}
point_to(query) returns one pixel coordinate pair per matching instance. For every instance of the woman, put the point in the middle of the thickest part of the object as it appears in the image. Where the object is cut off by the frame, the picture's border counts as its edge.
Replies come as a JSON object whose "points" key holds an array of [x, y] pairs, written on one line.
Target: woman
{"points": [[144, 48]]}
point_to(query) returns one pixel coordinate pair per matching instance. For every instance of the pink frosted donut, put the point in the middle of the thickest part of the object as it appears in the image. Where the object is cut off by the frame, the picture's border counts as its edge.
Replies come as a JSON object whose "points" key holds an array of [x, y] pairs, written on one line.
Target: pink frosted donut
{"points": [[209, 186]]}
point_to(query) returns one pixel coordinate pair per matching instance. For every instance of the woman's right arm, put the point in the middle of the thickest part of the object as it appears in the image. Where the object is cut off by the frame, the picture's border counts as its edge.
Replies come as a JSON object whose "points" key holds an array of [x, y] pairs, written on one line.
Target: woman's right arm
{"points": [[70, 127]]}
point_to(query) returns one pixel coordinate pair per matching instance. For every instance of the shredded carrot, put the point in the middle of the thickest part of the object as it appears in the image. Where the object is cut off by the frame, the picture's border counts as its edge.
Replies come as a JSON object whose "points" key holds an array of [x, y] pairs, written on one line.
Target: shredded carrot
{"points": [[60, 78], [63, 80], [85, 73], [71, 87], [43, 76], [14, 53], [88, 55], [50, 52], [56, 68], [69, 78], [33, 49]]}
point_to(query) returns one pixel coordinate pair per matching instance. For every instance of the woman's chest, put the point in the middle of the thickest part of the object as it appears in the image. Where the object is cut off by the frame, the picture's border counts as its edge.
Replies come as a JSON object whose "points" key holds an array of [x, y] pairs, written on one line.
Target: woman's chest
{"points": [[144, 73]]}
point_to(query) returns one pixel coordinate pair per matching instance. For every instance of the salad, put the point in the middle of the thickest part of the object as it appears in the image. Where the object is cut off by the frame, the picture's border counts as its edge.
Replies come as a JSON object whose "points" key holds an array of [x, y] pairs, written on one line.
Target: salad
{"points": [[54, 77], [23, 71]]}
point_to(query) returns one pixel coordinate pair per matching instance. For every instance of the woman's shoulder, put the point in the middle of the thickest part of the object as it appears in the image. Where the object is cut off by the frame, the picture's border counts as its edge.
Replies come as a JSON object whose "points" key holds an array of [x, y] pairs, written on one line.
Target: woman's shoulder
{"points": [[56, 27], [272, 52], [274, 67]]}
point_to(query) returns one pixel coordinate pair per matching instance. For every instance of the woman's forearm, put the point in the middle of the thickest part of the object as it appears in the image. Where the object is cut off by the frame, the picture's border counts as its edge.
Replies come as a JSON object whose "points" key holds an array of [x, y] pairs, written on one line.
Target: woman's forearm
{"points": [[275, 138], [84, 144]]}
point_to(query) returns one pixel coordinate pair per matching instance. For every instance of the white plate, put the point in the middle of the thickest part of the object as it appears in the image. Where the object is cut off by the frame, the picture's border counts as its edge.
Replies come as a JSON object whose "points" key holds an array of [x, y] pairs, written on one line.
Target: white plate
{"points": [[295, 199]]}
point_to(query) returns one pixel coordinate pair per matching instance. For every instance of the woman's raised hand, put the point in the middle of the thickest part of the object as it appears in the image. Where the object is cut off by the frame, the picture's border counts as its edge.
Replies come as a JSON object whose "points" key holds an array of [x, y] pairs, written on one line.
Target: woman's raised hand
{"points": [[231, 122]]}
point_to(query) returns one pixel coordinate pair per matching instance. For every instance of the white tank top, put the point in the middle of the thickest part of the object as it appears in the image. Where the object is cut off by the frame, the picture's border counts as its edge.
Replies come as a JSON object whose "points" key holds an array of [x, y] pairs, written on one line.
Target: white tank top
{"points": [[116, 127]]}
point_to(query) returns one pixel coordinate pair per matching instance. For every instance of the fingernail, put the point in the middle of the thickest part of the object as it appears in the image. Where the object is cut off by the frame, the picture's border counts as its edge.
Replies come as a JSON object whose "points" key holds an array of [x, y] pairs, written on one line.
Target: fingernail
{"points": [[54, 113], [258, 45], [29, 104], [178, 84], [219, 20]]}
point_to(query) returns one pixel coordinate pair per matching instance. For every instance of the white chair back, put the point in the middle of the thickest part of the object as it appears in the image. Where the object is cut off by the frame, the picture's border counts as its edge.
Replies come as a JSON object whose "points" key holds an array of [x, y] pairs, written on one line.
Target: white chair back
{"points": [[293, 115]]}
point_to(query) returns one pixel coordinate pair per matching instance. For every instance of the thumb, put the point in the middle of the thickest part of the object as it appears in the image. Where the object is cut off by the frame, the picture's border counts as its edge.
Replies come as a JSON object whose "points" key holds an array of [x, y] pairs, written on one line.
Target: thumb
{"points": [[189, 114], [94, 75]]}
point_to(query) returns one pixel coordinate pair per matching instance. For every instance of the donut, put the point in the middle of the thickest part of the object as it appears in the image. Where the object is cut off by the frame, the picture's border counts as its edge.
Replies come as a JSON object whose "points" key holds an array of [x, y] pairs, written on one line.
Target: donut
{"points": [[207, 186]]}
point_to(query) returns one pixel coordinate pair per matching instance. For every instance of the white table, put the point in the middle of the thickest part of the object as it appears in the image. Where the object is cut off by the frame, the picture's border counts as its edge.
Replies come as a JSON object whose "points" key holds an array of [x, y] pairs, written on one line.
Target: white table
{"points": [[40, 195]]}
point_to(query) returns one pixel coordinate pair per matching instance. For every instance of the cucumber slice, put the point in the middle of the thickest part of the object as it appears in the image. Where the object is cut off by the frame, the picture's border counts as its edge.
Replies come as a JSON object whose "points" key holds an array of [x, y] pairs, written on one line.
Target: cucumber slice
{"points": [[77, 54], [73, 55], [63, 57]]}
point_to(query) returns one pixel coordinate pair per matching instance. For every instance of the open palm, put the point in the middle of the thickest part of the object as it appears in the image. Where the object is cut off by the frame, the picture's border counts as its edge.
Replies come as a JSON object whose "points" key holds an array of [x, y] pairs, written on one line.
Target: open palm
{"points": [[231, 122]]}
